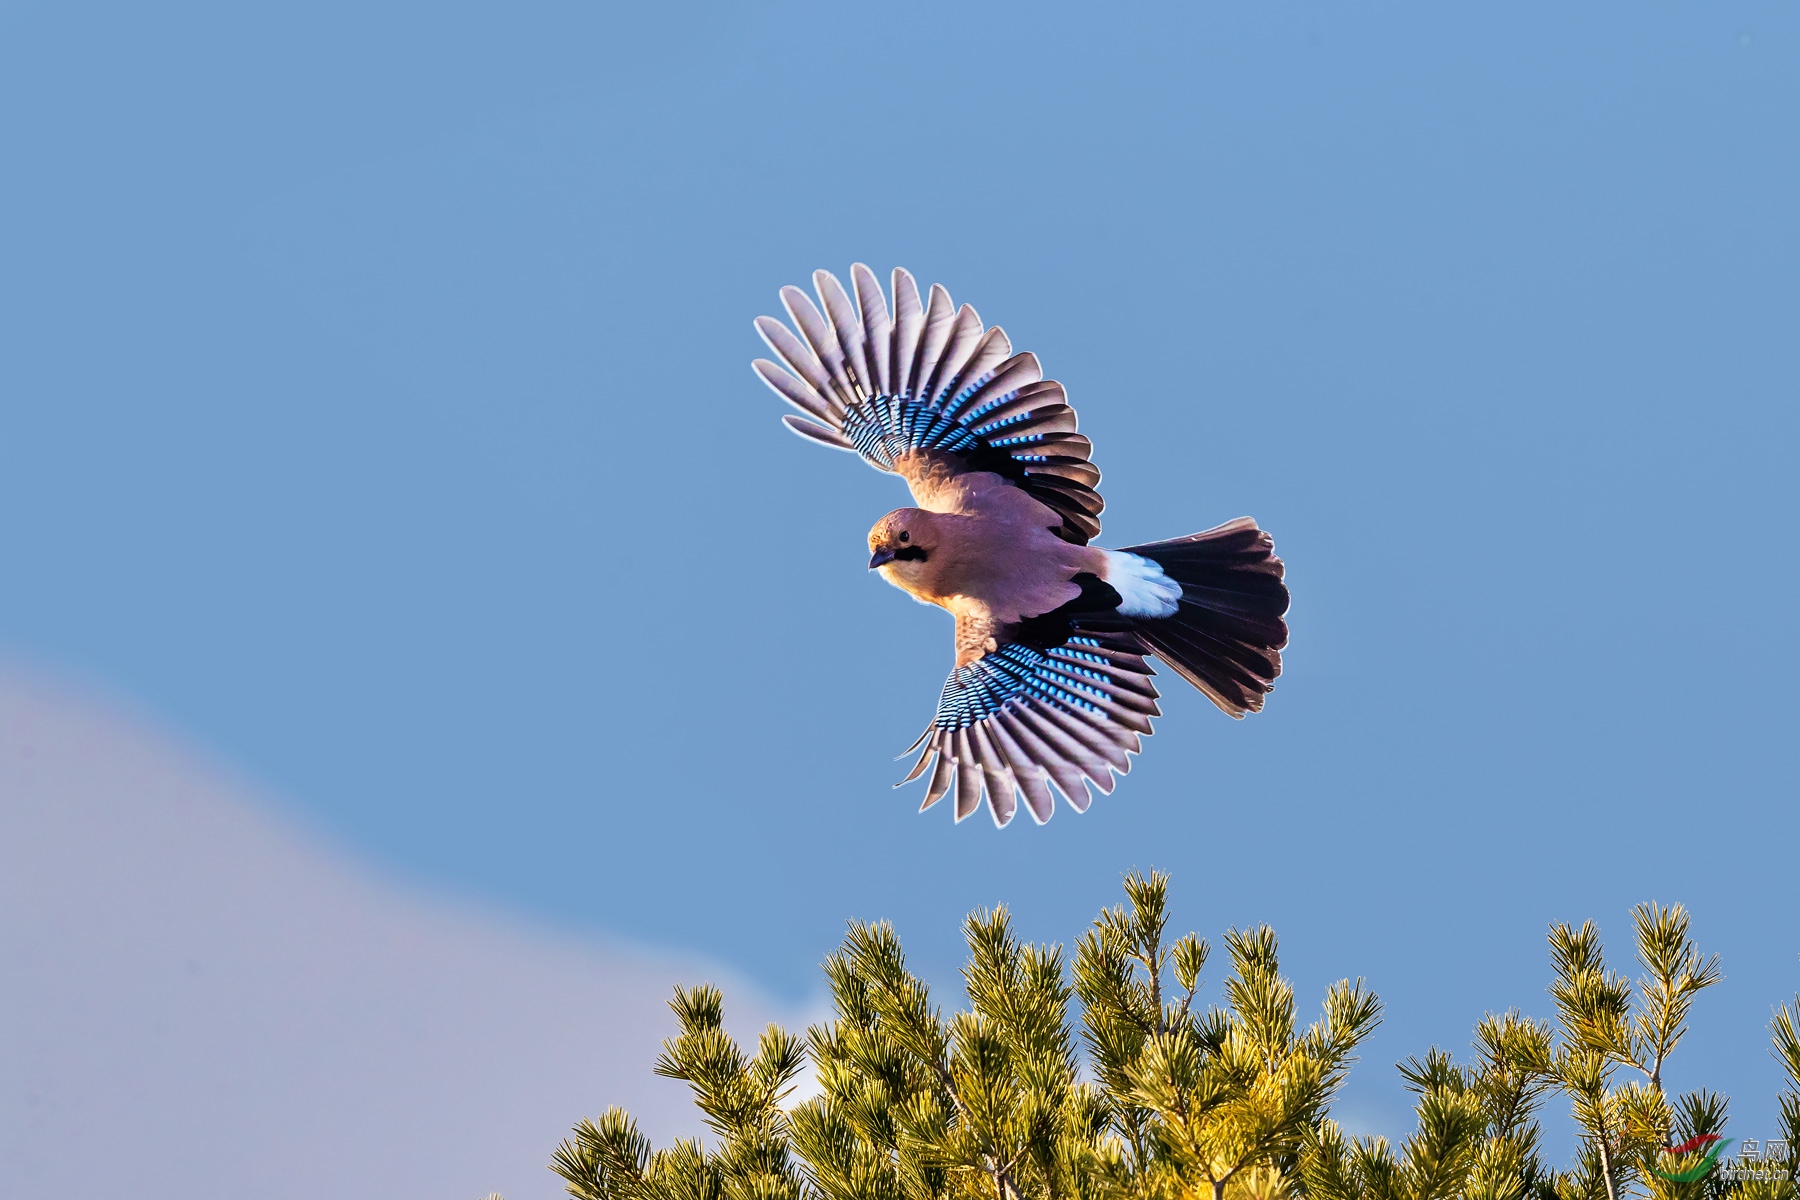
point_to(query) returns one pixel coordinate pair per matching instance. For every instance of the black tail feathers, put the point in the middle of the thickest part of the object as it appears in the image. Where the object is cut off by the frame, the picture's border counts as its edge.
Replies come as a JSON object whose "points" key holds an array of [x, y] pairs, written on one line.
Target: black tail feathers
{"points": [[1226, 636]]}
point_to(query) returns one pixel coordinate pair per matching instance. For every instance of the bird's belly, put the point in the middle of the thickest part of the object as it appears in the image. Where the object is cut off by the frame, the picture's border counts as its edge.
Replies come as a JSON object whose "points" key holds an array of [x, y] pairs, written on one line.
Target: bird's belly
{"points": [[1013, 574]]}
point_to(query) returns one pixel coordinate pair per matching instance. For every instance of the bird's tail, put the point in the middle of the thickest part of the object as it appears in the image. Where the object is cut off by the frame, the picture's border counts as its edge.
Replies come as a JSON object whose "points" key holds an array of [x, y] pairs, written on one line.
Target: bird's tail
{"points": [[1226, 634]]}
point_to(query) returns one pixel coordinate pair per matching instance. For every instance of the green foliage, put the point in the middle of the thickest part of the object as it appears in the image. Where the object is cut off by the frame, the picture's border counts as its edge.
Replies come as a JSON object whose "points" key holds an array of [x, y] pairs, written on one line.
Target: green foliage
{"points": [[1605, 1027], [741, 1099], [1105, 1078], [1786, 1030], [1477, 1130], [1200, 1100]]}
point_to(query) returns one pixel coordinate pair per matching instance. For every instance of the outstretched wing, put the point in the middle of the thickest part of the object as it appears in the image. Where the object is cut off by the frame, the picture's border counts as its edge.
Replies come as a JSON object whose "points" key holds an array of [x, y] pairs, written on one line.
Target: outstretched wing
{"points": [[928, 388], [1021, 718]]}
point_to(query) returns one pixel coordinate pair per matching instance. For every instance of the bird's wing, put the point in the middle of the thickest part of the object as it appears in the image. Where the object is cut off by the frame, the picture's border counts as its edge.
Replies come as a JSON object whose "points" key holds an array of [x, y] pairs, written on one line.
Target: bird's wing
{"points": [[926, 392], [1025, 716]]}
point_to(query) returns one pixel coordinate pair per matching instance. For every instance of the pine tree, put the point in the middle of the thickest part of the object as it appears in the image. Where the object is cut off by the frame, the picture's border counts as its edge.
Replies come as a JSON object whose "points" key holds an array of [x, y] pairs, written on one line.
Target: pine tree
{"points": [[1785, 1183], [1145, 1094]]}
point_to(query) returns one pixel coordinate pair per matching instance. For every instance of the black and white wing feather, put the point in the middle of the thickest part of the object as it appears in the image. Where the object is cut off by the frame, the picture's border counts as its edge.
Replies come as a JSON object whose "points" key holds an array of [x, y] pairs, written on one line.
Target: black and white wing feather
{"points": [[1020, 719], [927, 378]]}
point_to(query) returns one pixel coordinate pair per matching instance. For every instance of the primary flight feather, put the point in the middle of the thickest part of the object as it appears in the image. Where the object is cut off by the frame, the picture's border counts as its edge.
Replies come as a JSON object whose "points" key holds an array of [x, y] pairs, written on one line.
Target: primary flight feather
{"points": [[1051, 686]]}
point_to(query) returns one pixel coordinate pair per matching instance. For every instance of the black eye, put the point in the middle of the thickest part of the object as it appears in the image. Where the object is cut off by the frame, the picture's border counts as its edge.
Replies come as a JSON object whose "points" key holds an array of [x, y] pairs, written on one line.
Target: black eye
{"points": [[905, 536]]}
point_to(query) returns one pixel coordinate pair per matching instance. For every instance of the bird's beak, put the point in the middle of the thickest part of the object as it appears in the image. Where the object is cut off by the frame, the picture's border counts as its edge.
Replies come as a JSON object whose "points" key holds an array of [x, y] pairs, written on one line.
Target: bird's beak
{"points": [[884, 555]]}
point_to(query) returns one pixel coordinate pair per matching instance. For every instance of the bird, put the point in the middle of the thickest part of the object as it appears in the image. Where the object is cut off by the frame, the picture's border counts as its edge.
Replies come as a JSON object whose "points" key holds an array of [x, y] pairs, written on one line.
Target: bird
{"points": [[1051, 688]]}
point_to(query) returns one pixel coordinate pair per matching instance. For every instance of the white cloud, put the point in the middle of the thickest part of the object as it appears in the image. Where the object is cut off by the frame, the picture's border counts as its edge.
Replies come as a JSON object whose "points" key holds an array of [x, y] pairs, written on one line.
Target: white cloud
{"points": [[198, 1000]]}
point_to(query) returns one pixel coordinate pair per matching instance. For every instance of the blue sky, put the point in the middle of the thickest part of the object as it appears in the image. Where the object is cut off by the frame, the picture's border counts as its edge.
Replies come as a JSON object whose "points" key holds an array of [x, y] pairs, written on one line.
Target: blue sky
{"points": [[375, 408]]}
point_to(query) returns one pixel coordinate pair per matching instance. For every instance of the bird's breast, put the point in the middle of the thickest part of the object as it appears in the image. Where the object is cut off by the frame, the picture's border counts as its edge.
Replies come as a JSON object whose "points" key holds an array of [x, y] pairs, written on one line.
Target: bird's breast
{"points": [[1007, 569]]}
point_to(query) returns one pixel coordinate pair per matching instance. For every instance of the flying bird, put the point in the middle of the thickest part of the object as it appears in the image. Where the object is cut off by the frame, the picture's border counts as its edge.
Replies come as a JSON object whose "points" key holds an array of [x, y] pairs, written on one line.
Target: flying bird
{"points": [[1052, 683]]}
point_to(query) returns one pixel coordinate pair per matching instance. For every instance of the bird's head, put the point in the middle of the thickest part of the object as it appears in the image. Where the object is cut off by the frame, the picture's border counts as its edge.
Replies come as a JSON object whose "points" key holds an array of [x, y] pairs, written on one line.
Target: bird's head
{"points": [[901, 543]]}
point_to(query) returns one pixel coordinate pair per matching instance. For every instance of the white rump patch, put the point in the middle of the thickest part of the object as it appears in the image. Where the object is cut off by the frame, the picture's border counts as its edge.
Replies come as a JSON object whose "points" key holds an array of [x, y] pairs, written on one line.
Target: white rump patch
{"points": [[1144, 589]]}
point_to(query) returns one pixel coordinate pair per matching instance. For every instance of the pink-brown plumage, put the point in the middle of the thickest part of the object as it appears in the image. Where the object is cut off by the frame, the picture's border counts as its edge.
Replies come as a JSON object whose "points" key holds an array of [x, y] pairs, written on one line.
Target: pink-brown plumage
{"points": [[1051, 686]]}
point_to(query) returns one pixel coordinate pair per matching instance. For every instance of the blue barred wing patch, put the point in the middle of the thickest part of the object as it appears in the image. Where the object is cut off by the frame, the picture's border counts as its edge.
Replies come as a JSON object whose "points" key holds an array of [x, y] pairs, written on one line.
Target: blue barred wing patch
{"points": [[887, 427], [1022, 718], [982, 688], [928, 378]]}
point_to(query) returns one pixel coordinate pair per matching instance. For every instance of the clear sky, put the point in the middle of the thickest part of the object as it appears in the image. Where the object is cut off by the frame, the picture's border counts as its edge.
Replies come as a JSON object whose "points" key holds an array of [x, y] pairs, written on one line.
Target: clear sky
{"points": [[375, 408]]}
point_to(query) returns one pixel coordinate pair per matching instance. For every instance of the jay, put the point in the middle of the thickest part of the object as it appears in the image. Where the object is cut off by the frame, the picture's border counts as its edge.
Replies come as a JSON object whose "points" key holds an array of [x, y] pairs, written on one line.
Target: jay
{"points": [[1051, 686]]}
